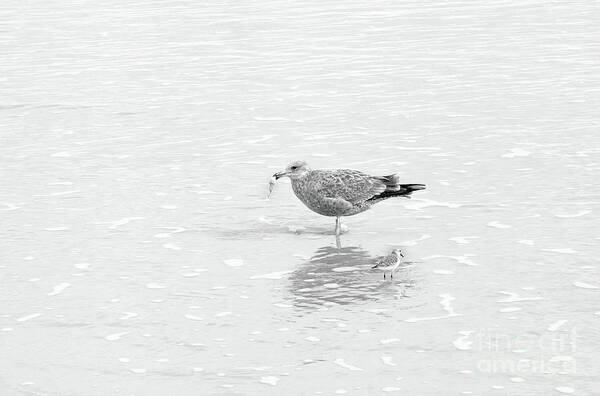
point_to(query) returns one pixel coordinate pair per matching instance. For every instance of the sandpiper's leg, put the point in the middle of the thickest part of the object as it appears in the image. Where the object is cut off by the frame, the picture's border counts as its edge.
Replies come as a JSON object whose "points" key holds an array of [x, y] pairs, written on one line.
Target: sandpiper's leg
{"points": [[392, 274], [337, 226], [384, 275]]}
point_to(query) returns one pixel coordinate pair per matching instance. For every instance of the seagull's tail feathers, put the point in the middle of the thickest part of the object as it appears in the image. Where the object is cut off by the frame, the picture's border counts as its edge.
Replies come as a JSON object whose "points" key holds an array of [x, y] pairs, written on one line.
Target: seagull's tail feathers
{"points": [[393, 188]]}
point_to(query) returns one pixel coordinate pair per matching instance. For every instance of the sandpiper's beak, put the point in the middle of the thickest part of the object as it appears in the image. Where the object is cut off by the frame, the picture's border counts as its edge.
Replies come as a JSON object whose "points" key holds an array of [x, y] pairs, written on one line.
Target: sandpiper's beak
{"points": [[279, 174]]}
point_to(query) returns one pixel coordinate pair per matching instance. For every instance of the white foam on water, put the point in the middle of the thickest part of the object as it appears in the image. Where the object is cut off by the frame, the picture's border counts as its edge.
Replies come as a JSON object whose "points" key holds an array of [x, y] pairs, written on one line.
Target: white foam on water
{"points": [[124, 360], [312, 339], [414, 242], [342, 363], [61, 183], [269, 380], [578, 214], [526, 242], [81, 265], [517, 379], [331, 285], [565, 389], [446, 306], [153, 285], [497, 224], [340, 391], [56, 228], [557, 325], [561, 250], [115, 336], [346, 269], [497, 387], [416, 204], [460, 259], [61, 154], [446, 303], [462, 343], [272, 275], [584, 285], [128, 315], [387, 360], [443, 272], [281, 305], [59, 288], [308, 236], [57, 194], [222, 314], [125, 220], [389, 340], [516, 152], [510, 309], [514, 297], [266, 220], [462, 240], [168, 207], [197, 369], [28, 317], [171, 246], [390, 389], [10, 206], [7, 329], [138, 370], [234, 262], [562, 358]]}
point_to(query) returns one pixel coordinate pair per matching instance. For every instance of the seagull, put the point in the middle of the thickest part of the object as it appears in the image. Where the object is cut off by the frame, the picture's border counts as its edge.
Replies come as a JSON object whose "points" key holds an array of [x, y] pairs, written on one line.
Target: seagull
{"points": [[341, 192], [389, 263]]}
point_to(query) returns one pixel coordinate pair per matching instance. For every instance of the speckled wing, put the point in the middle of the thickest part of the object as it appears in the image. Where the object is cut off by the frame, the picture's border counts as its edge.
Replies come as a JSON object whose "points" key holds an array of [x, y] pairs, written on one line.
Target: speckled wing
{"points": [[350, 185], [386, 261]]}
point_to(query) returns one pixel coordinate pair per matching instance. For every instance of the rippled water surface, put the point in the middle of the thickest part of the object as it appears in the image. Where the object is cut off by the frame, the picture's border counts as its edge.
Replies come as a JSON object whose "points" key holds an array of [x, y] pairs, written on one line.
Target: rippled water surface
{"points": [[140, 257]]}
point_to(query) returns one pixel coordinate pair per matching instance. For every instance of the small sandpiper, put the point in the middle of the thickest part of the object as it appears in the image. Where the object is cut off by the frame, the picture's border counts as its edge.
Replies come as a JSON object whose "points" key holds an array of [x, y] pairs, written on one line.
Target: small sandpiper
{"points": [[389, 263]]}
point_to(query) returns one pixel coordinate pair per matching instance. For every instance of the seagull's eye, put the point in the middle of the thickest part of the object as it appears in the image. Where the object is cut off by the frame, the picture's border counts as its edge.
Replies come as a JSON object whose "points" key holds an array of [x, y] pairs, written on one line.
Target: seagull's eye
{"points": [[294, 167]]}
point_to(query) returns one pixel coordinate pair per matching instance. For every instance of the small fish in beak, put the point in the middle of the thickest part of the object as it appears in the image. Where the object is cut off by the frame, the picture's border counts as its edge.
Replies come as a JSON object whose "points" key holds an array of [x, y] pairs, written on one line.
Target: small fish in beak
{"points": [[271, 185]]}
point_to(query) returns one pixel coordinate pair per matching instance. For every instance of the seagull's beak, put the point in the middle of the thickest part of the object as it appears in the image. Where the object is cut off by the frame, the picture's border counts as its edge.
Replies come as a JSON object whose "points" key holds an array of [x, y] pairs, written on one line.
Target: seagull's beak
{"points": [[280, 174]]}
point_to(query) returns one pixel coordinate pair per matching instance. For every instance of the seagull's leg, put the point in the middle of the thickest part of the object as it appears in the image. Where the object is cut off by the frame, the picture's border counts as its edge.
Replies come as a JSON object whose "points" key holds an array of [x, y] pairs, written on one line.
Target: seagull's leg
{"points": [[338, 242], [337, 226], [383, 274]]}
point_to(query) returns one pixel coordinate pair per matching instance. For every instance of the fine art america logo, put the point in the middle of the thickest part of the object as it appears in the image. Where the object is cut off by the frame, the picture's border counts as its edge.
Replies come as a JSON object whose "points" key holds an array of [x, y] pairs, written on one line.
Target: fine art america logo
{"points": [[546, 353]]}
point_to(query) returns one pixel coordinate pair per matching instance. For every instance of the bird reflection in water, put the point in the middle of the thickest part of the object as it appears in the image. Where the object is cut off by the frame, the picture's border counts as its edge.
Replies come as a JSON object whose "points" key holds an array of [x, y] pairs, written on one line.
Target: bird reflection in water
{"points": [[344, 276]]}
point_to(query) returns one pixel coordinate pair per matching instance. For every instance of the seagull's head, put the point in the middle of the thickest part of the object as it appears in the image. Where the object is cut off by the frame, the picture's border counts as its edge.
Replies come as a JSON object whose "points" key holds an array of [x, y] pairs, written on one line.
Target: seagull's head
{"points": [[295, 170]]}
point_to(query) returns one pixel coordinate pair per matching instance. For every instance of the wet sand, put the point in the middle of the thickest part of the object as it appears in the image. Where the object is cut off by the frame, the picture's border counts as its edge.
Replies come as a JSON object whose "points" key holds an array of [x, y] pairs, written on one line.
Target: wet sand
{"points": [[140, 256]]}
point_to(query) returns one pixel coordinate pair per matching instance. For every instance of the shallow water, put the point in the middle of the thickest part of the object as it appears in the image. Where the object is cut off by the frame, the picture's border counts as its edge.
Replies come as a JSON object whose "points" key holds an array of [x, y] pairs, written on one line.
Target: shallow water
{"points": [[141, 258]]}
